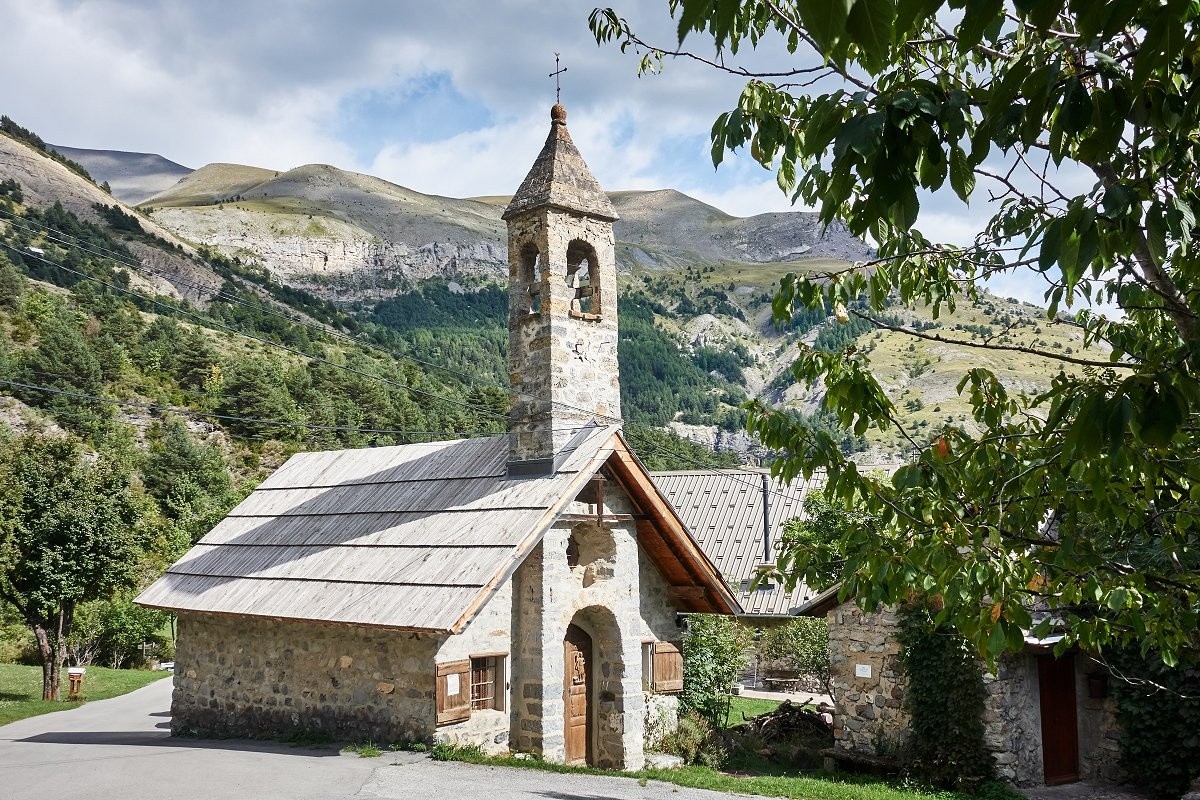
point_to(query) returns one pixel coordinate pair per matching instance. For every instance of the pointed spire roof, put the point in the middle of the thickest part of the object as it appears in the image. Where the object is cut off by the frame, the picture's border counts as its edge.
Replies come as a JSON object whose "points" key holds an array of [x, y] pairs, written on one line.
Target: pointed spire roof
{"points": [[560, 178]]}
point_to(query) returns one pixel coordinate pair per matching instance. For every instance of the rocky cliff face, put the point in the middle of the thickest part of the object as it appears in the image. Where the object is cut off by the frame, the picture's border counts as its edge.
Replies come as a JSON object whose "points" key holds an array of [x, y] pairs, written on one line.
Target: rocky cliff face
{"points": [[328, 255], [346, 235]]}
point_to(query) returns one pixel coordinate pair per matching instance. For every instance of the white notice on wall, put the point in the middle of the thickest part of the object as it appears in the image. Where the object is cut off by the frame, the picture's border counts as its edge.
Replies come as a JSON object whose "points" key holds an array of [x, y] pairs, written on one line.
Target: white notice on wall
{"points": [[862, 670], [452, 685]]}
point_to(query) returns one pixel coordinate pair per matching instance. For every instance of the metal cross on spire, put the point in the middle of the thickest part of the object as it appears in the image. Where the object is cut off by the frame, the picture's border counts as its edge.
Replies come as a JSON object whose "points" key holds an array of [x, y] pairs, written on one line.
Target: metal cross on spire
{"points": [[557, 71]]}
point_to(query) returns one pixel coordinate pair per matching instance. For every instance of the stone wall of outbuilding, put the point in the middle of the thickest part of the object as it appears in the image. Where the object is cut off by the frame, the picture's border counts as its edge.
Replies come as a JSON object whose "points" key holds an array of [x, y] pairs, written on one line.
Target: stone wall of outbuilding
{"points": [[869, 718], [867, 681], [240, 676]]}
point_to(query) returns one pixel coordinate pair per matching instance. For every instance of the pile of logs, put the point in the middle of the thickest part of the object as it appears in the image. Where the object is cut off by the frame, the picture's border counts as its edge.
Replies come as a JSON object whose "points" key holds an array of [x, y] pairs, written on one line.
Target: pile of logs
{"points": [[788, 730]]}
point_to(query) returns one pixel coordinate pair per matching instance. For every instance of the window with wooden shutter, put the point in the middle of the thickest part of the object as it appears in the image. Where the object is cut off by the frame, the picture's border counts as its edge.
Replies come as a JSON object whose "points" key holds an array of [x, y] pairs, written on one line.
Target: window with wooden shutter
{"points": [[668, 667], [453, 691]]}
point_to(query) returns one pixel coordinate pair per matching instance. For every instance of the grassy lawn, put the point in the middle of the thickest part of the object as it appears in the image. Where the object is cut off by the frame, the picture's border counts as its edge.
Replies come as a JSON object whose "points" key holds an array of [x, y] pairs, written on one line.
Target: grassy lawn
{"points": [[765, 779], [794, 784], [750, 707], [21, 688]]}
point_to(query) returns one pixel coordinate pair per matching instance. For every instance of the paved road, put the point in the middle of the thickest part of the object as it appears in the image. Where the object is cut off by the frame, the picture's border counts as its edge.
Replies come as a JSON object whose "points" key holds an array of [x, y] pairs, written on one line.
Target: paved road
{"points": [[122, 748]]}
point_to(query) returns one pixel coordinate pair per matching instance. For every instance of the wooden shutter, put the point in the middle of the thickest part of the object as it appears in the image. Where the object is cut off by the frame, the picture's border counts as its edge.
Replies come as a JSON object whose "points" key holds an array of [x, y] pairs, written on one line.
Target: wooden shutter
{"points": [[453, 691], [668, 667]]}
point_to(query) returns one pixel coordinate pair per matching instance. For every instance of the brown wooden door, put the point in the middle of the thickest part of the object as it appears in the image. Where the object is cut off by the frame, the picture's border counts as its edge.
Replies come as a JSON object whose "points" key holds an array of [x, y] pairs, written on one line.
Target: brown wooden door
{"points": [[1060, 734], [577, 691]]}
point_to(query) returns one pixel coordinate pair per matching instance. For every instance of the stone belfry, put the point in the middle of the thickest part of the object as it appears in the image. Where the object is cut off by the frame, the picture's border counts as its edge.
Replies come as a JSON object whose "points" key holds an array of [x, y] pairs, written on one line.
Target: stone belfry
{"points": [[562, 304]]}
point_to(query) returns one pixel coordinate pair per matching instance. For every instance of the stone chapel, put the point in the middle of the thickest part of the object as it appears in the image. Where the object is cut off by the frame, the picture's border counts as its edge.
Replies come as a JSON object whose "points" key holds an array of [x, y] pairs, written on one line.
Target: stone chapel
{"points": [[519, 591]]}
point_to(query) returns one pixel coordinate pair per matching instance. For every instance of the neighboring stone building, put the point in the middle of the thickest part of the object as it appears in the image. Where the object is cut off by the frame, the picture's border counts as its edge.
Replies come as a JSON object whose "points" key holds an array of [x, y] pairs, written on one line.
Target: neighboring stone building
{"points": [[1047, 720], [519, 591]]}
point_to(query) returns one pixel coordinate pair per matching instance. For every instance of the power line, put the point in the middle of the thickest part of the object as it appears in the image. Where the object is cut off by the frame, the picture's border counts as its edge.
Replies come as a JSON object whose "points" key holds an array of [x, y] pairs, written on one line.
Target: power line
{"points": [[235, 418]]}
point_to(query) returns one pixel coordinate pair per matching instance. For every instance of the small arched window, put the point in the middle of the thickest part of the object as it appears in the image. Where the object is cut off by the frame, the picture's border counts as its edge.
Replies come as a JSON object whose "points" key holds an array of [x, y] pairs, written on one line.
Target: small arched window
{"points": [[583, 276], [531, 276]]}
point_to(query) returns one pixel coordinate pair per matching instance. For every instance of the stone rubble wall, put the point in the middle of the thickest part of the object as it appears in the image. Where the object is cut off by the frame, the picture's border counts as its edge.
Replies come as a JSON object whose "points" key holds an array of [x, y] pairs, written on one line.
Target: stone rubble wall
{"points": [[1012, 720], [1099, 734], [245, 676], [662, 717], [490, 632], [868, 717]]}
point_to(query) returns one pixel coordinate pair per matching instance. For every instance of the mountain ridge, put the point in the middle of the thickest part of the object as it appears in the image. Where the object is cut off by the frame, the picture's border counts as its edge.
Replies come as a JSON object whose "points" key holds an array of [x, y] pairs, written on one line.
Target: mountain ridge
{"points": [[346, 234], [131, 176]]}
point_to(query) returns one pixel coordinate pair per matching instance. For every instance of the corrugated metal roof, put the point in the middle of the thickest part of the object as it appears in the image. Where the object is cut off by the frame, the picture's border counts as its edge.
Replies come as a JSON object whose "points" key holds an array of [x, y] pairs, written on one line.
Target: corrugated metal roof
{"points": [[411, 537], [724, 512], [414, 537]]}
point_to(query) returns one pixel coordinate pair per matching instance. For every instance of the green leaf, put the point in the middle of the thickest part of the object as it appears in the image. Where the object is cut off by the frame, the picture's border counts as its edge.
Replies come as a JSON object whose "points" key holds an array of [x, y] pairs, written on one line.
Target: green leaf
{"points": [[825, 21], [1117, 598], [1156, 231], [962, 177], [977, 18], [870, 26], [860, 134], [1076, 111], [695, 12], [1163, 412]]}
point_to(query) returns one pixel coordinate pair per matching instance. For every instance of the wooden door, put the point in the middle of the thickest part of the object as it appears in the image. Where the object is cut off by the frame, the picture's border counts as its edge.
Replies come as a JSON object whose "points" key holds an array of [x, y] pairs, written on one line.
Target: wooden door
{"points": [[577, 692], [1060, 734]]}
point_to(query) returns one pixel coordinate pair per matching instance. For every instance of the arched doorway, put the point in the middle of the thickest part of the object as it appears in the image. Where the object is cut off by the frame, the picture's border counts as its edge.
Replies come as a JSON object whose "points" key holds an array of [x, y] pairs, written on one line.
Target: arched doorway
{"points": [[577, 695]]}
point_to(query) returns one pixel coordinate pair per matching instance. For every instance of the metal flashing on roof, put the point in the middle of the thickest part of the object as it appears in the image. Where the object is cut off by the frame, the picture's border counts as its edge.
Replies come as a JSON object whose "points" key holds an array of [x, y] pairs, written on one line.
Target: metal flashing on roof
{"points": [[544, 467]]}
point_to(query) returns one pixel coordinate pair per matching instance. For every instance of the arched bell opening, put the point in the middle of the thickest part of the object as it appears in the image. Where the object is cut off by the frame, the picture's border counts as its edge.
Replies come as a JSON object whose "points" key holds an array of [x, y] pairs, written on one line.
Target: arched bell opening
{"points": [[583, 276]]}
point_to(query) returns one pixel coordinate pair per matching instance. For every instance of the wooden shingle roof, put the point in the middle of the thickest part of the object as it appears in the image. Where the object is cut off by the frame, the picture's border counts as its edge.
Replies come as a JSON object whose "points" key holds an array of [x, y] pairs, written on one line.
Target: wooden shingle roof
{"points": [[413, 537]]}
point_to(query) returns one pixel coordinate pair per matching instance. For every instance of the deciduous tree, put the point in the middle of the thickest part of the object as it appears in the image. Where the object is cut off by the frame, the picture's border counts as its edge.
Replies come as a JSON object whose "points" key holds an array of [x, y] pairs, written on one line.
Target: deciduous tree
{"points": [[1075, 124], [69, 532]]}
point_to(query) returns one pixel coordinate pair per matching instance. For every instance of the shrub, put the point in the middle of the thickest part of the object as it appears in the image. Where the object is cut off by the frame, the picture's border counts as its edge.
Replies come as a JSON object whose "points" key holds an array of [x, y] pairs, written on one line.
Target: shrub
{"points": [[714, 657], [1158, 709], [695, 741], [945, 699]]}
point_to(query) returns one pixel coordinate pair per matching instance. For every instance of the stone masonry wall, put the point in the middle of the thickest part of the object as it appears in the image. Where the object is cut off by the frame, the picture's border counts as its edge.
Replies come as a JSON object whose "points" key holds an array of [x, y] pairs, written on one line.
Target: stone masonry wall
{"points": [[490, 632], [239, 676], [562, 364], [615, 595], [868, 717], [1012, 720], [1099, 733], [867, 681]]}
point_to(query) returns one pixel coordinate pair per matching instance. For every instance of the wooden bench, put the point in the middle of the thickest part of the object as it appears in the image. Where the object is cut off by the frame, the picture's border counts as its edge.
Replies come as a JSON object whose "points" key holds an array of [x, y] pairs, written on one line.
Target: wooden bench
{"points": [[782, 680]]}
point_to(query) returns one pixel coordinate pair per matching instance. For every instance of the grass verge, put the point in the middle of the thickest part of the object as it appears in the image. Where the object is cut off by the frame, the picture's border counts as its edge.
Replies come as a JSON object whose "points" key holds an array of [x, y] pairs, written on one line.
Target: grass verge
{"points": [[21, 688], [743, 708], [811, 786]]}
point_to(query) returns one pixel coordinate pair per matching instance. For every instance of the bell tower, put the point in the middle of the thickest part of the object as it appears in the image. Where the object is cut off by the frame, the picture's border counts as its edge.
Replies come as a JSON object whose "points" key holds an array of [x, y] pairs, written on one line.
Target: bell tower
{"points": [[562, 305]]}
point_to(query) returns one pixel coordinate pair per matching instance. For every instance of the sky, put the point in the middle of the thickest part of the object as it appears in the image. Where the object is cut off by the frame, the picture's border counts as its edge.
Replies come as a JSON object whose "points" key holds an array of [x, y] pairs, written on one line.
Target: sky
{"points": [[448, 97]]}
